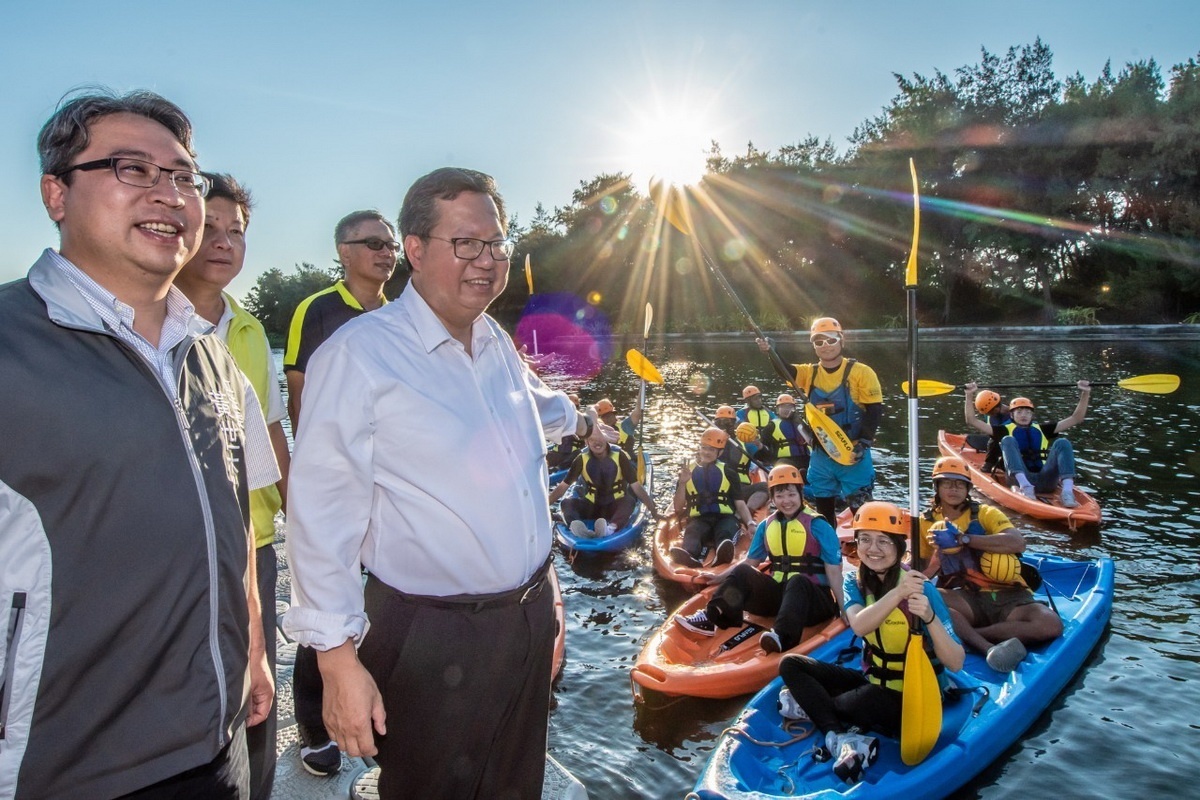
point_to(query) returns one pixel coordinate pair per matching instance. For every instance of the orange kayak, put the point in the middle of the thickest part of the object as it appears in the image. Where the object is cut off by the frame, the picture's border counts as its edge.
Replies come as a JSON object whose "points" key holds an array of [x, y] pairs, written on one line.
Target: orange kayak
{"points": [[677, 661], [560, 625], [995, 487]]}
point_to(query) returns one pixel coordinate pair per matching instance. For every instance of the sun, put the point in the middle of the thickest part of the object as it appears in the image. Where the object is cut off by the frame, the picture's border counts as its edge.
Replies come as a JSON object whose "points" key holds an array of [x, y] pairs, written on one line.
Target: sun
{"points": [[669, 144]]}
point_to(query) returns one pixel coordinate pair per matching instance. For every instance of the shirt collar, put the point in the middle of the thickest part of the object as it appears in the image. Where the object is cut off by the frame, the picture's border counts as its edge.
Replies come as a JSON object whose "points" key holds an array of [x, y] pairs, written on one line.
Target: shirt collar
{"points": [[432, 331]]}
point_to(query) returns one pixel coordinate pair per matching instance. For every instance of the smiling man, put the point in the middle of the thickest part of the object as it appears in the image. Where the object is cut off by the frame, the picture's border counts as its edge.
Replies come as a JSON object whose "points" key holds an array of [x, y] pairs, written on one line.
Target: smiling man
{"points": [[444, 503], [129, 439]]}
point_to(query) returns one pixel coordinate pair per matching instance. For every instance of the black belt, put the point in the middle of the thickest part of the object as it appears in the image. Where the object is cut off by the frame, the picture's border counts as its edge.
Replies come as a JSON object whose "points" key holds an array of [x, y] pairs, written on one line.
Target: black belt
{"points": [[524, 594]]}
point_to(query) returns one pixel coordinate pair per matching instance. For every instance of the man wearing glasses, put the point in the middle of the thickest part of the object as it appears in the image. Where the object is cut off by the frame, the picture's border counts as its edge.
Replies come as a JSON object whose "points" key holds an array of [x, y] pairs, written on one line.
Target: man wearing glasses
{"points": [[848, 391], [133, 652], [367, 250], [421, 458]]}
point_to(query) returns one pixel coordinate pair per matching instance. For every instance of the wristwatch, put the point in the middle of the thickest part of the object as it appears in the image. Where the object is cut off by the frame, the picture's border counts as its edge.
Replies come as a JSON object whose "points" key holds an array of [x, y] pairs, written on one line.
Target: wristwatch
{"points": [[964, 539]]}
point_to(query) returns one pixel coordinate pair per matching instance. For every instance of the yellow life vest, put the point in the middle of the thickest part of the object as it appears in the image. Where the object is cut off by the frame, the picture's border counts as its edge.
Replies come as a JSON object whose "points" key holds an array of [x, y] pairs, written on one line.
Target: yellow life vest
{"points": [[715, 497], [793, 548], [594, 479], [885, 648]]}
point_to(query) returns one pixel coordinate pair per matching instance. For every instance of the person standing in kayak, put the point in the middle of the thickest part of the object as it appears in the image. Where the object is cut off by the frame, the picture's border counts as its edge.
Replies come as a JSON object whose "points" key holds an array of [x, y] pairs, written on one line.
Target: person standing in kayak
{"points": [[848, 391], [882, 601], [203, 280], [977, 551], [446, 506], [606, 487], [803, 585], [708, 498], [1037, 458]]}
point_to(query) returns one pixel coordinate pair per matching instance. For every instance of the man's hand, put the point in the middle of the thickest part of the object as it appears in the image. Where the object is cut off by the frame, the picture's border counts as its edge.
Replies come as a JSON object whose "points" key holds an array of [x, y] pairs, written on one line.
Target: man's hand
{"points": [[352, 705], [860, 450], [944, 536], [764, 344], [1084, 386], [534, 362], [262, 689]]}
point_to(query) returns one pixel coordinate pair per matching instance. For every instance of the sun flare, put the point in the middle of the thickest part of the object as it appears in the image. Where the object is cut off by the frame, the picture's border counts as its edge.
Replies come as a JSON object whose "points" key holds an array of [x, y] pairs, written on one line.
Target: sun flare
{"points": [[670, 145]]}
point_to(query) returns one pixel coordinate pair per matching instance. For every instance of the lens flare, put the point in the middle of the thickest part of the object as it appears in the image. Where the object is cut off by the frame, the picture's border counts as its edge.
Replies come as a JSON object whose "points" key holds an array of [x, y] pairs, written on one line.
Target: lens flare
{"points": [[573, 334]]}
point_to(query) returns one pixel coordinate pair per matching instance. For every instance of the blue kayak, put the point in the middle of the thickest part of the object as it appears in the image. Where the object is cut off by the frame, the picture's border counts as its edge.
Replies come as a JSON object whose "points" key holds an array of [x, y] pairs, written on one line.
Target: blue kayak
{"points": [[622, 538], [991, 712]]}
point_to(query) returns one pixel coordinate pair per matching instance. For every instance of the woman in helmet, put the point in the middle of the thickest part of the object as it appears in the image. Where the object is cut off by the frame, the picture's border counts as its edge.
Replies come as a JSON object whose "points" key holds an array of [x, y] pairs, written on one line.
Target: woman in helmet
{"points": [[882, 600], [803, 585], [993, 407], [708, 497], [977, 549], [605, 482], [848, 391]]}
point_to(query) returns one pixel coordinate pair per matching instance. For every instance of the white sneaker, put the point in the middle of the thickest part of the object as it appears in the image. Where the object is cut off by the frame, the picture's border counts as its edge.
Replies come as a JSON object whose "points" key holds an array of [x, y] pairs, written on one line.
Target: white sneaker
{"points": [[1005, 657], [579, 529], [1029, 491], [600, 528], [789, 708], [1067, 500], [855, 752], [770, 643]]}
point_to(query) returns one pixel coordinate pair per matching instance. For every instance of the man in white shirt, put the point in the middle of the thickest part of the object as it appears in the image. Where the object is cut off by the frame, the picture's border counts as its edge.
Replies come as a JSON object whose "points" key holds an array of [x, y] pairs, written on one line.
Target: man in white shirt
{"points": [[444, 503]]}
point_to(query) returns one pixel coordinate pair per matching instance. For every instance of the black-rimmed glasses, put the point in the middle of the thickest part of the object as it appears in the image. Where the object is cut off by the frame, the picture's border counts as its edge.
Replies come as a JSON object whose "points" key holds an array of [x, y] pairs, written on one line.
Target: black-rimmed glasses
{"points": [[469, 249], [144, 175], [375, 243]]}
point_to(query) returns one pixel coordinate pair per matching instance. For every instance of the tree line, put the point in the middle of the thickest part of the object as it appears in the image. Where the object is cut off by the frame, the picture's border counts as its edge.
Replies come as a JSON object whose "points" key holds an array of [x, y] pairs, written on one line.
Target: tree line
{"points": [[1042, 200]]}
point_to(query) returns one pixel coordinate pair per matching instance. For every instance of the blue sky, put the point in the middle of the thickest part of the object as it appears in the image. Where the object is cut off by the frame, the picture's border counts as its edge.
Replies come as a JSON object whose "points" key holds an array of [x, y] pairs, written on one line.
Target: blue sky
{"points": [[322, 111]]}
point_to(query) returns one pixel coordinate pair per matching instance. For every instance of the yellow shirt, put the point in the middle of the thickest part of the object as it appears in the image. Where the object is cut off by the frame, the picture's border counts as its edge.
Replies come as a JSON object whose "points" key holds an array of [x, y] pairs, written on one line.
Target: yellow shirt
{"points": [[863, 384], [991, 518]]}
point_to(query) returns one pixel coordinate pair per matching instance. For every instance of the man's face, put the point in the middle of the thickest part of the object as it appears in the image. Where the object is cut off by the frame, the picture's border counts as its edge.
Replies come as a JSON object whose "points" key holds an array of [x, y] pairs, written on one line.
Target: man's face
{"points": [[953, 492], [827, 346], [361, 262], [597, 443], [457, 290], [785, 410], [706, 455], [1022, 416], [119, 232], [223, 247], [755, 401]]}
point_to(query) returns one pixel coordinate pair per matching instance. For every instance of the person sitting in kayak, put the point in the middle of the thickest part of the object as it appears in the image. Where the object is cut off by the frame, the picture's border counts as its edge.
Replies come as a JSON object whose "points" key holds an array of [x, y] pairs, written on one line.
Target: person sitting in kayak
{"points": [[1037, 451], [626, 426], [606, 484], [883, 599], [992, 406], [790, 445], [708, 498], [756, 414], [748, 444], [848, 391], [801, 587], [976, 549]]}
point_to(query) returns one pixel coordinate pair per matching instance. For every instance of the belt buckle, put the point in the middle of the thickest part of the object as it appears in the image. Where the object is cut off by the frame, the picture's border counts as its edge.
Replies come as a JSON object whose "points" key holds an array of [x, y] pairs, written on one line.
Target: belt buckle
{"points": [[533, 592]]}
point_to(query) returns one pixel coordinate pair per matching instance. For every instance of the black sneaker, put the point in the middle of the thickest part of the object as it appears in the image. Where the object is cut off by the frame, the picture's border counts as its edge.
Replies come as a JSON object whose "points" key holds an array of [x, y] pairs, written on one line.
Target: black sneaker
{"points": [[318, 753], [724, 553], [697, 623], [681, 556]]}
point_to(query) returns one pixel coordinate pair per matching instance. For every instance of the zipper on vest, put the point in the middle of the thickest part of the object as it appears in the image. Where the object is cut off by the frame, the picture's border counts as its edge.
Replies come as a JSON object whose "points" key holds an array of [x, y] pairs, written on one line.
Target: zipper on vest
{"points": [[12, 637]]}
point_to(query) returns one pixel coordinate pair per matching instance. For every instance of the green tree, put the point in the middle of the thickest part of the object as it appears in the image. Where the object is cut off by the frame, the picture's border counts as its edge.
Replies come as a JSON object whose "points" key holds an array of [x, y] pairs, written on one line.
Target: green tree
{"points": [[275, 296]]}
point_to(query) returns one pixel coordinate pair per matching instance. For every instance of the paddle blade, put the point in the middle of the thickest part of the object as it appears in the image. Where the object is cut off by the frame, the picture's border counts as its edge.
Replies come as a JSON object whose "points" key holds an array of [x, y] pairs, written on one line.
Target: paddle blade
{"points": [[670, 201], [649, 317], [921, 704], [910, 274], [643, 368], [929, 388], [829, 435], [528, 274], [1151, 384]]}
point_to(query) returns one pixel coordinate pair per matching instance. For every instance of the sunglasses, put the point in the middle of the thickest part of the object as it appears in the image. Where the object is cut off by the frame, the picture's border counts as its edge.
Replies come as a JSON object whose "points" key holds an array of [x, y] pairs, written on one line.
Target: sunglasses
{"points": [[821, 341], [377, 244]]}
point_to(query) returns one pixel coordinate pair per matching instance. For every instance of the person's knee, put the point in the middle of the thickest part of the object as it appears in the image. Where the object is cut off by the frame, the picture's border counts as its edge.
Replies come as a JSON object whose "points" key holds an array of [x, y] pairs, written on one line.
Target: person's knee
{"points": [[793, 666], [1038, 621]]}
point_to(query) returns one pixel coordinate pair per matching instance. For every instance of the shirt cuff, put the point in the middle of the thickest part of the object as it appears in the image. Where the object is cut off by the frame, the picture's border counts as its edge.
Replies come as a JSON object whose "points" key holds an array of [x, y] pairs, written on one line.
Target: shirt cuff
{"points": [[322, 630]]}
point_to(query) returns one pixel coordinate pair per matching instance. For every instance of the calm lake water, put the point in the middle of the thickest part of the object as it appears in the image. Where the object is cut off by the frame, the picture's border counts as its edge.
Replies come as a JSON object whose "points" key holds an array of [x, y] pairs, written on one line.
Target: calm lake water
{"points": [[1127, 726]]}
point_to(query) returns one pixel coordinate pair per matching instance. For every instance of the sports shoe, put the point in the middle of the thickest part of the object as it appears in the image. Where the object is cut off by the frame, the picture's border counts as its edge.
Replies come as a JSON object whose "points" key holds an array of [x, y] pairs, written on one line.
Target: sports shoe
{"points": [[789, 708], [770, 643], [681, 556], [320, 759], [724, 553], [600, 528], [1005, 657], [579, 529], [1067, 500], [697, 623], [853, 752], [1029, 491]]}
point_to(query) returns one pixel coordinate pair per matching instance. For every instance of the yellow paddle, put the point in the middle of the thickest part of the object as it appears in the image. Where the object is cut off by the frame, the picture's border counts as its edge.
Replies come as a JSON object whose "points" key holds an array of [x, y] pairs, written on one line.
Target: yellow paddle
{"points": [[829, 434], [1157, 383], [528, 274], [921, 700]]}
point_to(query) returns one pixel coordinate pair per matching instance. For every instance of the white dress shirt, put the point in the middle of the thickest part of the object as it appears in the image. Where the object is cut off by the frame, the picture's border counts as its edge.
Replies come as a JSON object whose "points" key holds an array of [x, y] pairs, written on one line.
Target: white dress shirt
{"points": [[418, 461]]}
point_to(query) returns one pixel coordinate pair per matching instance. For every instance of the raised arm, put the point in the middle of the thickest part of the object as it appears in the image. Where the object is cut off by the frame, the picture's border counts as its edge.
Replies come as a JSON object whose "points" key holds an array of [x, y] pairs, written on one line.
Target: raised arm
{"points": [[1085, 391], [969, 409]]}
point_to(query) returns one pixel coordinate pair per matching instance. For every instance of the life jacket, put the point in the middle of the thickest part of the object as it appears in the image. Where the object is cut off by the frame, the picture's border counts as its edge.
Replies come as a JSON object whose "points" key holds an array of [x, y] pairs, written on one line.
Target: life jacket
{"points": [[1032, 442], [885, 648], [602, 477], [759, 418], [837, 404], [736, 456], [794, 550], [709, 491], [971, 575], [788, 439]]}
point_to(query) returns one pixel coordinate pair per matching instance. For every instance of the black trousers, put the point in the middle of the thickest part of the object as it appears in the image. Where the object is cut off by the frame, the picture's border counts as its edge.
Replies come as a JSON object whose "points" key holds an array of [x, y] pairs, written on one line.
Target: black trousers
{"points": [[260, 740], [708, 530], [466, 691], [226, 777], [836, 697], [795, 604], [616, 512]]}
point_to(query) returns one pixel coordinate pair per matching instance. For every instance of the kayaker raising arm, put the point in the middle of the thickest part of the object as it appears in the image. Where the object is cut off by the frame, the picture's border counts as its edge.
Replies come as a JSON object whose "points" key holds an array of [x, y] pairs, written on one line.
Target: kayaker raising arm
{"points": [[991, 405], [976, 549], [626, 426], [1036, 456], [848, 391], [444, 503], [803, 585], [882, 600]]}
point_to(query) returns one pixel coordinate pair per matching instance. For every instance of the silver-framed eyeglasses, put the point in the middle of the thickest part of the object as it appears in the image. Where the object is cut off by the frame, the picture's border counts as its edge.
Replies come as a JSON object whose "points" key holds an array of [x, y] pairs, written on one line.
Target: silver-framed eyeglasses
{"points": [[469, 249], [144, 175]]}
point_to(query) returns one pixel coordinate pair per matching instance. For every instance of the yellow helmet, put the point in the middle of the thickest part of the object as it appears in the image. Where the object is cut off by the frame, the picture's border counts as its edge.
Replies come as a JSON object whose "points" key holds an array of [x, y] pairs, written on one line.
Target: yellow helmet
{"points": [[878, 515], [1020, 402], [986, 401], [1000, 567], [785, 399], [951, 467], [714, 437], [605, 406], [726, 412], [783, 475], [824, 325], [750, 391], [747, 432]]}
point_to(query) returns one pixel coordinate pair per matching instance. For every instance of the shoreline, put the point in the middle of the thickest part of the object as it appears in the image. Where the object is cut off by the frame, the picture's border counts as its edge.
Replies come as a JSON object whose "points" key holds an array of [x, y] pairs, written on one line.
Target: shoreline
{"points": [[1065, 333]]}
